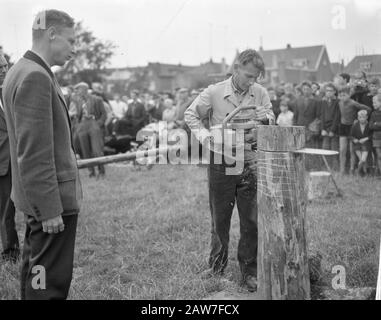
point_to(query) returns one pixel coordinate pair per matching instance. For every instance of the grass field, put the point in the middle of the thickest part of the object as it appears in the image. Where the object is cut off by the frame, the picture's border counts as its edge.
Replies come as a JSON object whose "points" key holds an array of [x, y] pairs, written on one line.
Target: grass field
{"points": [[145, 235]]}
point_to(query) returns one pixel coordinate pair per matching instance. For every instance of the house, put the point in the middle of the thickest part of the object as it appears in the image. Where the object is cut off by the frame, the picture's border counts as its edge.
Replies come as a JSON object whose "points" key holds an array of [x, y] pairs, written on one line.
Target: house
{"points": [[296, 64], [159, 77], [370, 64]]}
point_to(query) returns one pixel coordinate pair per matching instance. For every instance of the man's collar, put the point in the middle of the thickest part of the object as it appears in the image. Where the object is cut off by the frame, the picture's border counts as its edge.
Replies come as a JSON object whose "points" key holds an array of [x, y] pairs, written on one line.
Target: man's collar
{"points": [[230, 88], [32, 55]]}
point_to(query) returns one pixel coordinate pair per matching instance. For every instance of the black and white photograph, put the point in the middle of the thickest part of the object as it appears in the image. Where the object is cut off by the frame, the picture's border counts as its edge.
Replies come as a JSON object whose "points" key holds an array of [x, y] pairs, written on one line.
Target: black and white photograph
{"points": [[201, 153]]}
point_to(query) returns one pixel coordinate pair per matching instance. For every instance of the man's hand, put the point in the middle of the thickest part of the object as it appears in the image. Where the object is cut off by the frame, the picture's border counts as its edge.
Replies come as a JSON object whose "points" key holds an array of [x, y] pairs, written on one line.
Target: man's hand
{"points": [[331, 134], [324, 133], [363, 140], [260, 114], [53, 225], [355, 140]]}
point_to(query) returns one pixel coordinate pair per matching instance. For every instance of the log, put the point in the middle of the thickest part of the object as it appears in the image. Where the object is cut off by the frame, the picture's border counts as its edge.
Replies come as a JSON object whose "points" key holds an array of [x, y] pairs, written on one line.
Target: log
{"points": [[283, 272], [128, 156]]}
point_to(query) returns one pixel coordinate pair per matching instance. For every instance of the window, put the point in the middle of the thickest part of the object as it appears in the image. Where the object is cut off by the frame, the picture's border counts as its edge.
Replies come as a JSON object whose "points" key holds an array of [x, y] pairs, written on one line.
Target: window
{"points": [[299, 63], [366, 65]]}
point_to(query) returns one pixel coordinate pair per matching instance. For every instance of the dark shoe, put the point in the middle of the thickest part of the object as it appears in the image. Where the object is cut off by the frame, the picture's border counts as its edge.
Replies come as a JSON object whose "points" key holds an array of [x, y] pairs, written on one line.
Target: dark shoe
{"points": [[251, 283]]}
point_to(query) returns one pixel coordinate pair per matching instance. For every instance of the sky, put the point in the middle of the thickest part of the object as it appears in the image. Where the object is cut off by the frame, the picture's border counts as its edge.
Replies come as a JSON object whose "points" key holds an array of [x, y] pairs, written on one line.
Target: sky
{"points": [[194, 31]]}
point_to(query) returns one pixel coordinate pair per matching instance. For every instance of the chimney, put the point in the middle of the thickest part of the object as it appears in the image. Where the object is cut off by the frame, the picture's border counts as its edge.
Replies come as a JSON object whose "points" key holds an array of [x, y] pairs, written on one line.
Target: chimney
{"points": [[223, 65], [288, 46]]}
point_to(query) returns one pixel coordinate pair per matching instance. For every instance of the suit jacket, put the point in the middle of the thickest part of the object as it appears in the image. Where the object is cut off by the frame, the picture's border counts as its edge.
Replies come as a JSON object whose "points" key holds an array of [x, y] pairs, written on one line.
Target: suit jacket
{"points": [[95, 108], [306, 111], [4, 145], [45, 177]]}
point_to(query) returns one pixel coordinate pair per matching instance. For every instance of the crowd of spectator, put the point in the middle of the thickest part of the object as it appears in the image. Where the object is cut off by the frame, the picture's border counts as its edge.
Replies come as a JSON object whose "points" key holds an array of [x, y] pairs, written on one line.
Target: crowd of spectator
{"points": [[343, 115]]}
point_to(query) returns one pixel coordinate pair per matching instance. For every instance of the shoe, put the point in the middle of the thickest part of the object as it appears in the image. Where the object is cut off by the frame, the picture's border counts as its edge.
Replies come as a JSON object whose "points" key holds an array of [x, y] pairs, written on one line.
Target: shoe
{"points": [[251, 283]]}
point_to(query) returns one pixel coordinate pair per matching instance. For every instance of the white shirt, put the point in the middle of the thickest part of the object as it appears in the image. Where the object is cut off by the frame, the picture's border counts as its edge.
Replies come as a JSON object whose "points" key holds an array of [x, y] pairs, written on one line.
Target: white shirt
{"points": [[1, 105], [119, 108], [285, 119]]}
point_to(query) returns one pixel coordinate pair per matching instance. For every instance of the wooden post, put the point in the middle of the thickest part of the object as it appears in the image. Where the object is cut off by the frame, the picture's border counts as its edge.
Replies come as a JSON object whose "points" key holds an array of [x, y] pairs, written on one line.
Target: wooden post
{"points": [[283, 272]]}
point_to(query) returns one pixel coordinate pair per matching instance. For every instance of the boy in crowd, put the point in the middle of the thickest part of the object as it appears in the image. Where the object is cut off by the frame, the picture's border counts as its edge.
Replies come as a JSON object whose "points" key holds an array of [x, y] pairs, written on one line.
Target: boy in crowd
{"points": [[360, 136], [375, 126], [330, 120], [286, 117], [348, 111]]}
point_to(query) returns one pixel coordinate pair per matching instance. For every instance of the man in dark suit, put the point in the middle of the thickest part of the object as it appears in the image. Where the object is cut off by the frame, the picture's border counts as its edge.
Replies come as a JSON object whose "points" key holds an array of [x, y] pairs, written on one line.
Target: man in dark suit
{"points": [[45, 180], [8, 232]]}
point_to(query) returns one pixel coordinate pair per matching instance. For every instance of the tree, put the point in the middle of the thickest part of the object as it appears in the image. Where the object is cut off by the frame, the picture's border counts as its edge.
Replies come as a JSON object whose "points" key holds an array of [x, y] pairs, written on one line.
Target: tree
{"points": [[6, 56], [92, 57]]}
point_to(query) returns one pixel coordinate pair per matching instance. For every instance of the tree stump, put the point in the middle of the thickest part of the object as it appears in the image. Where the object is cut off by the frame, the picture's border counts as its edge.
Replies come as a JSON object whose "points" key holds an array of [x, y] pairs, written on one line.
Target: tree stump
{"points": [[283, 272]]}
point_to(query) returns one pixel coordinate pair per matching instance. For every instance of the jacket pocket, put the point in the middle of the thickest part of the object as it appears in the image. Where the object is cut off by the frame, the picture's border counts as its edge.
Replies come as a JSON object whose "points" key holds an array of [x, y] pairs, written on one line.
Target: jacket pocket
{"points": [[68, 194]]}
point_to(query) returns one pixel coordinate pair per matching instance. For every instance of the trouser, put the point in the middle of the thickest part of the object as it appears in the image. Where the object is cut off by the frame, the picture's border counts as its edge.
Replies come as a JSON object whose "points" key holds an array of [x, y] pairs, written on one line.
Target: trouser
{"points": [[47, 265], [9, 238], [224, 191], [344, 142], [332, 143], [90, 137]]}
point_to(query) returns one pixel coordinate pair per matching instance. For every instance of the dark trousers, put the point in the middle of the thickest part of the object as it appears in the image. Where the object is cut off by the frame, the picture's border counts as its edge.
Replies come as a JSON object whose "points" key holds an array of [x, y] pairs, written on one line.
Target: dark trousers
{"points": [[90, 137], [54, 253], [224, 191], [8, 232]]}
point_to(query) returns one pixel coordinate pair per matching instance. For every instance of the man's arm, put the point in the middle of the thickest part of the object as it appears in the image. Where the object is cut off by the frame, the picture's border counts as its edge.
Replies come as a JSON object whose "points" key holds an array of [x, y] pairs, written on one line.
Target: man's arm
{"points": [[265, 114], [103, 114], [35, 145], [198, 112]]}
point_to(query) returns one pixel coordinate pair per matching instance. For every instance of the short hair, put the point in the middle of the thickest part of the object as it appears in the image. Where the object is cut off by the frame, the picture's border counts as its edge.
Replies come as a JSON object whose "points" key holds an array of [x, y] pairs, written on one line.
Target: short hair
{"points": [[315, 83], [306, 83], [345, 89], [252, 56], [52, 18], [345, 76], [330, 85], [362, 113], [81, 85], [270, 89]]}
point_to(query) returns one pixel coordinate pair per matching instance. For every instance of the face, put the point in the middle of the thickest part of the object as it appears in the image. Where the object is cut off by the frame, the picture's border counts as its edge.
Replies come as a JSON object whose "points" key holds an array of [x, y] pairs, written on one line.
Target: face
{"points": [[343, 96], [283, 108], [117, 97], [329, 92], [3, 69], [168, 103], [362, 118], [373, 88], [314, 88], [62, 45], [183, 95], [307, 90], [377, 102], [246, 76], [134, 95], [81, 91], [288, 88]]}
